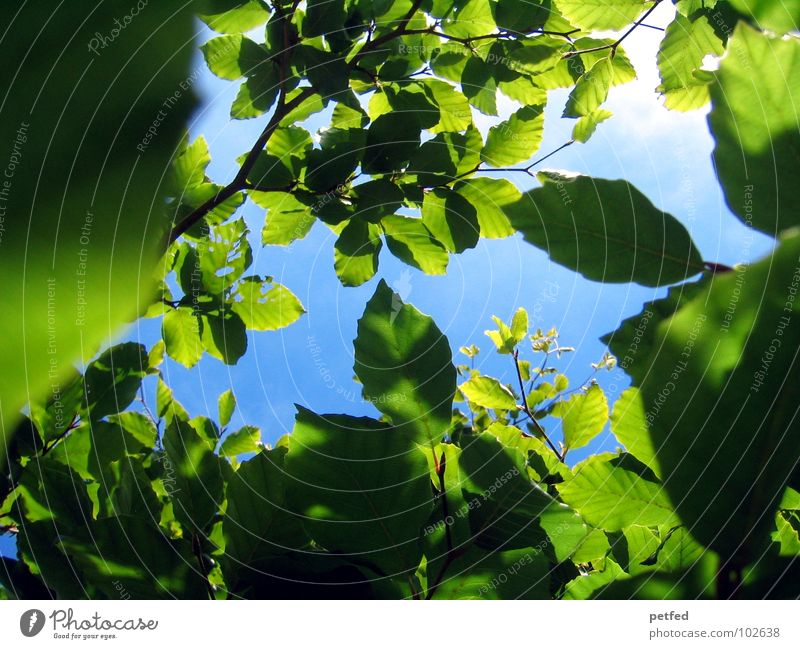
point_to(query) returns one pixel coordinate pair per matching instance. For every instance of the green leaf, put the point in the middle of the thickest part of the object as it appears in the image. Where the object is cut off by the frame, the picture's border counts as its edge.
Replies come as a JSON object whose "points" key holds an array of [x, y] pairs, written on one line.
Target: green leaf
{"points": [[265, 306], [487, 392], [610, 492], [257, 94], [629, 426], [473, 18], [685, 45], [139, 426], [516, 574], [408, 239], [516, 139], [377, 199], [779, 17], [583, 416], [181, 332], [722, 388], [257, 523], [479, 86], [591, 90], [537, 56], [233, 16], [489, 196], [361, 488], [506, 510], [78, 259], [323, 17], [112, 380], [405, 365], [507, 338], [451, 219], [391, 141], [454, 111], [606, 230], [196, 473], [131, 550], [233, 57], [587, 124], [754, 121], [226, 404], [601, 14], [287, 218], [356, 252], [245, 440], [223, 334]]}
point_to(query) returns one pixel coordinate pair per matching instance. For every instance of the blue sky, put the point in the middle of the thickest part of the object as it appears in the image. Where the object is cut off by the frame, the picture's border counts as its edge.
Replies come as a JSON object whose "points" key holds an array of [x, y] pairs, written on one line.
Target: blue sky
{"points": [[667, 155]]}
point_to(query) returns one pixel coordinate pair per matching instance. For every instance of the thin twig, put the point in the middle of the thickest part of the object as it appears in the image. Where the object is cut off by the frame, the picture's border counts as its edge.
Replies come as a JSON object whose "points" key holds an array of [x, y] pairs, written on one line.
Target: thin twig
{"points": [[527, 409]]}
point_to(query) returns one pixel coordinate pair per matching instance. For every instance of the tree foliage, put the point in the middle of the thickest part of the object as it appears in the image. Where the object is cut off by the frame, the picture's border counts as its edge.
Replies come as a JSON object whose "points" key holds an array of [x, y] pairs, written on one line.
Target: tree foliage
{"points": [[459, 486]]}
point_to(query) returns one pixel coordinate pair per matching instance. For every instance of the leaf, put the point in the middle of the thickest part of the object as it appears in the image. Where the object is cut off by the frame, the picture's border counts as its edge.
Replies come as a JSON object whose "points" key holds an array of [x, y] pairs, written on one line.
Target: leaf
{"points": [[451, 219], [223, 334], [265, 306], [583, 416], [591, 90], [323, 17], [356, 253], [99, 226], [112, 380], [489, 196], [506, 510], [361, 488], [141, 428], [473, 18], [454, 111], [516, 574], [405, 365], [507, 338], [601, 14], [479, 86], [245, 440], [719, 392], [287, 218], [487, 392], [629, 426], [257, 523], [391, 141], [181, 332], [133, 551], [516, 139], [606, 230], [257, 94], [779, 17], [233, 16], [233, 57], [408, 239], [587, 124], [685, 45], [754, 121], [610, 493], [226, 404], [196, 474]]}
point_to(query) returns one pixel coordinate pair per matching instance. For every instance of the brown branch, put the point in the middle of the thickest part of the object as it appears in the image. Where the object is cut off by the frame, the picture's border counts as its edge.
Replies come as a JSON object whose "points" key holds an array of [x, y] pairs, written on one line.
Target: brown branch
{"points": [[527, 409]]}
